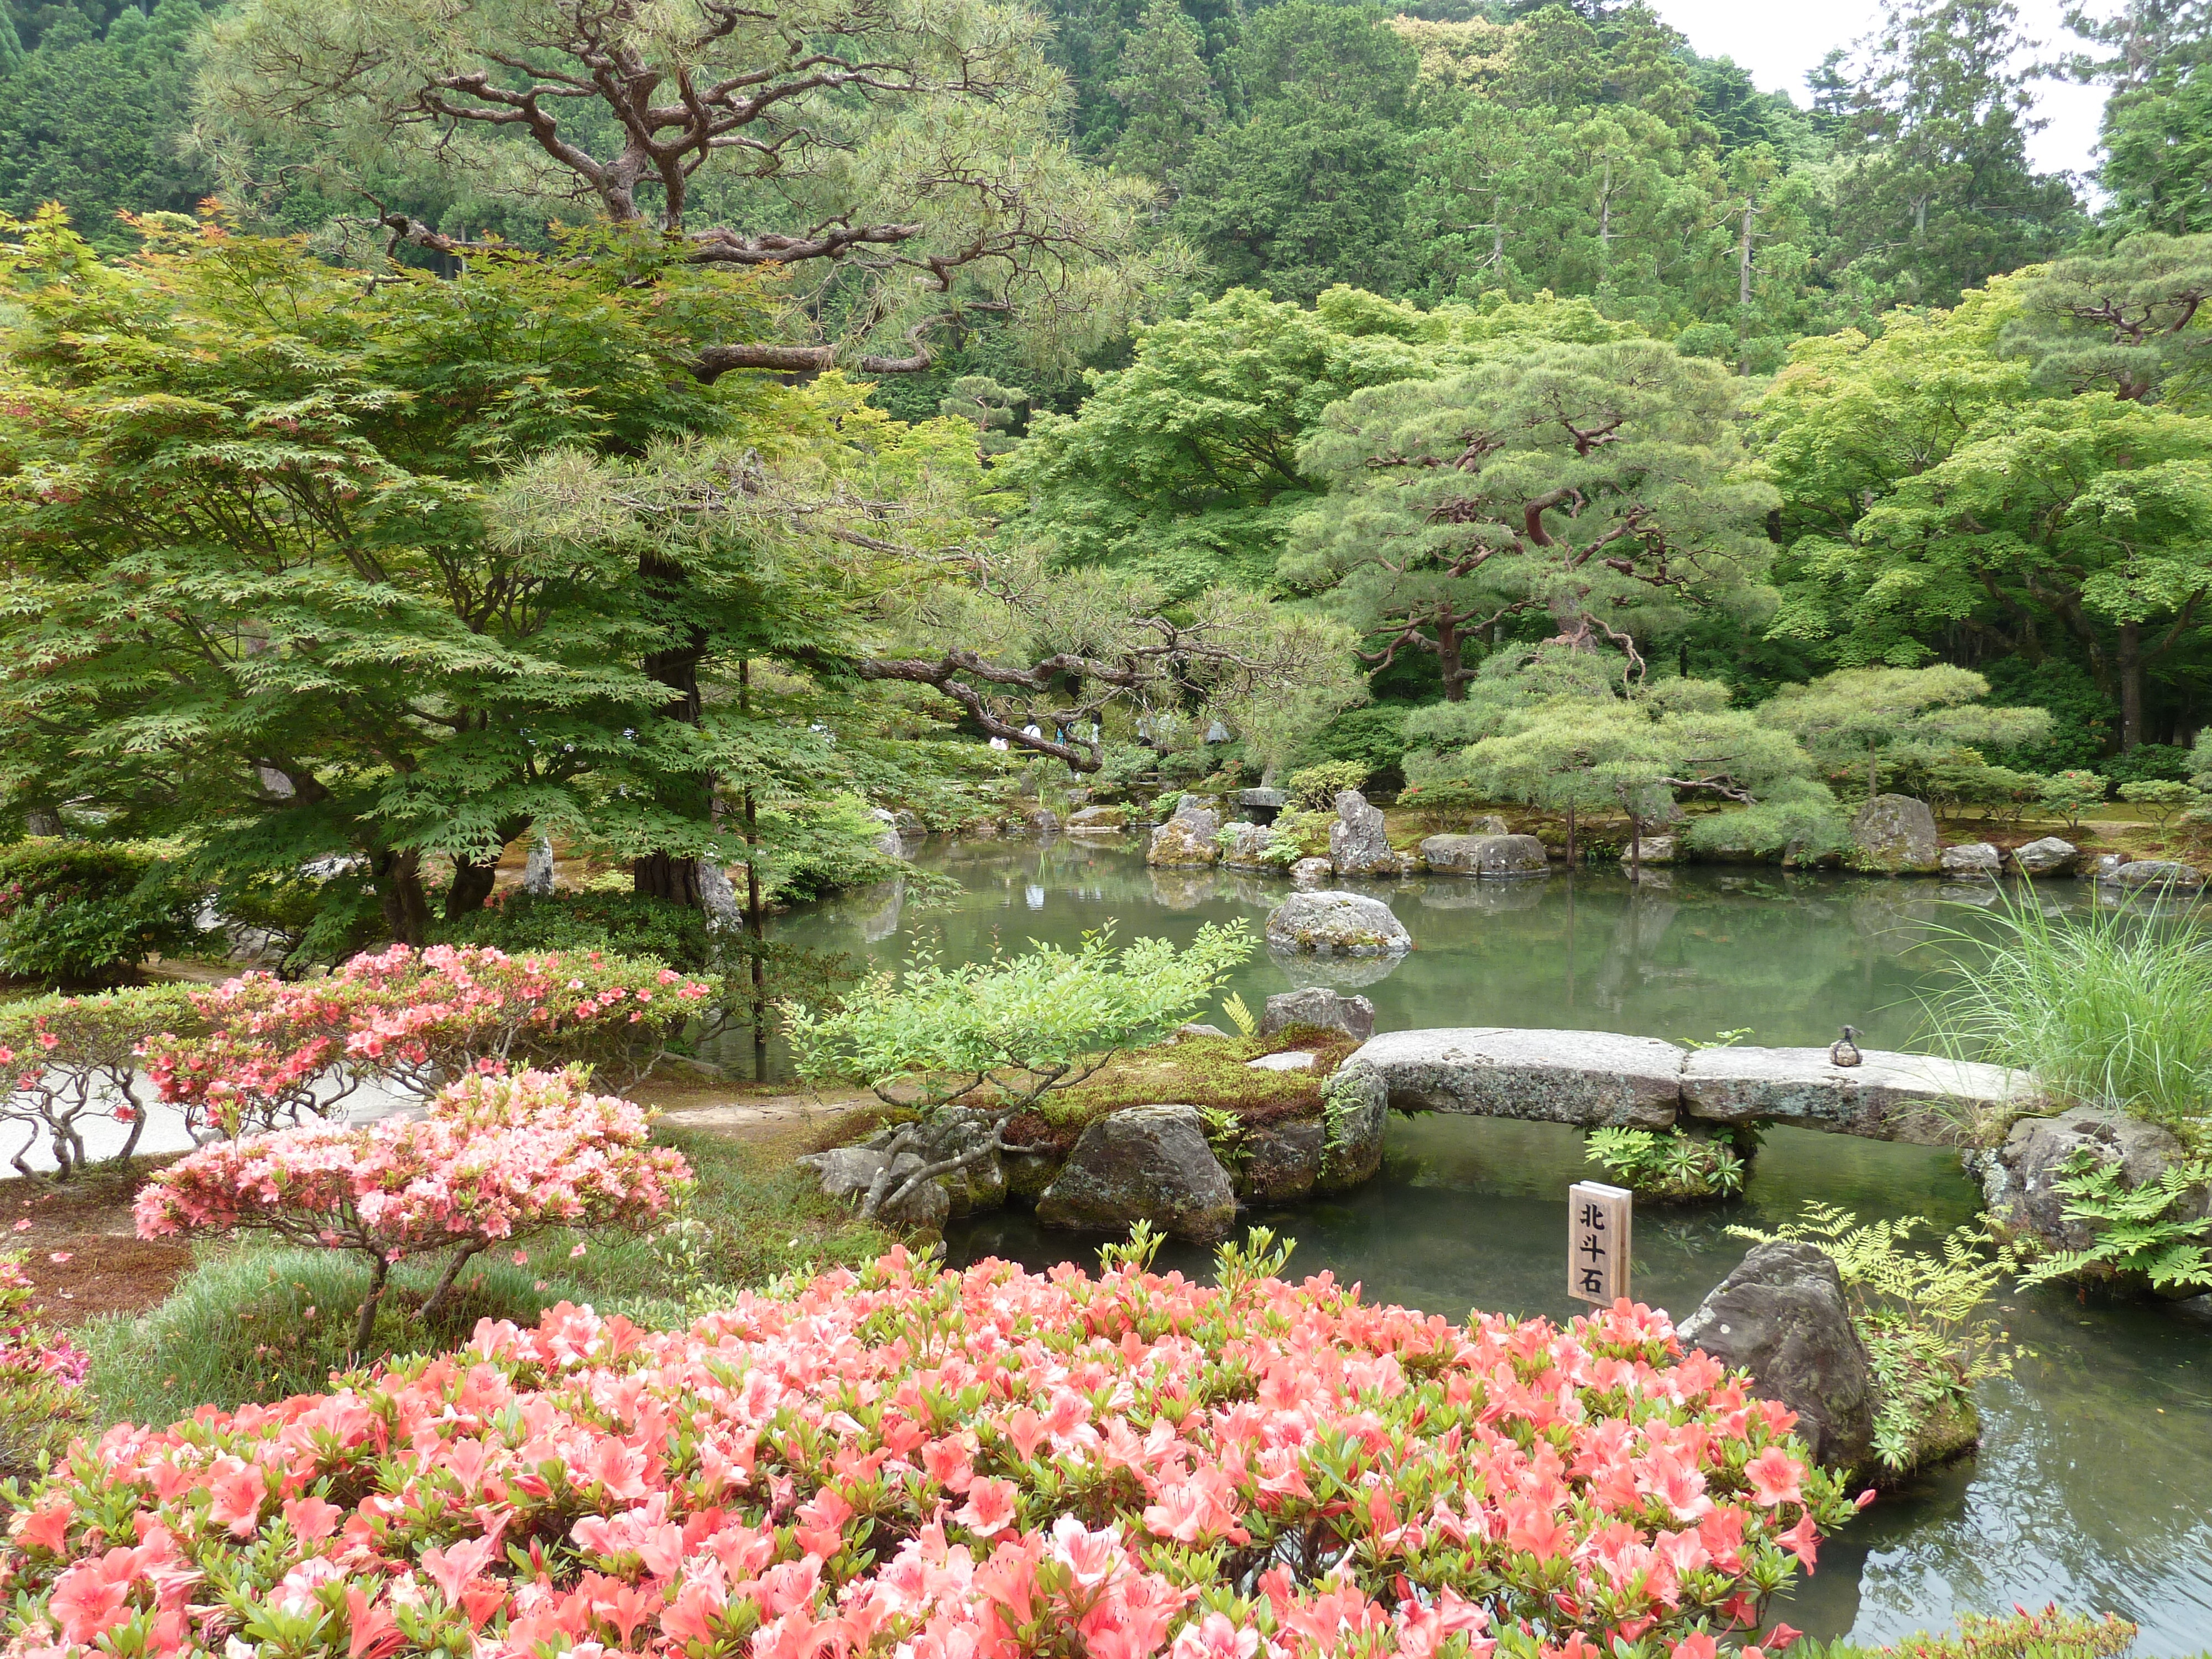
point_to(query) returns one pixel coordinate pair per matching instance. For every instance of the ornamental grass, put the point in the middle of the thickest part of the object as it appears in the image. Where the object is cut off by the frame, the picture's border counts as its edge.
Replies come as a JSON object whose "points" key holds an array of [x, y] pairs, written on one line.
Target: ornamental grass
{"points": [[907, 1461]]}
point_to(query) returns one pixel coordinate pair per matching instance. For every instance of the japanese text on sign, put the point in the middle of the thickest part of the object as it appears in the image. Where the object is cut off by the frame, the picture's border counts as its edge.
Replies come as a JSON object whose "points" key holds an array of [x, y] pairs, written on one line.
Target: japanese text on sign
{"points": [[1597, 1242]]}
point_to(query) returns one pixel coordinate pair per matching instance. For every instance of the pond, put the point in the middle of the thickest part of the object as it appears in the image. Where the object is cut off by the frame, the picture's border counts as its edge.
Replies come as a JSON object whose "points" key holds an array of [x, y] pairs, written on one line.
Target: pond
{"points": [[2093, 1484]]}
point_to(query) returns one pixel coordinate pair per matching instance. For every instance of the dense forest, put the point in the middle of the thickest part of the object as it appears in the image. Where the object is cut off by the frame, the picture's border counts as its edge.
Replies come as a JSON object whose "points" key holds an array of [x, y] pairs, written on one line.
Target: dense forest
{"points": [[673, 427]]}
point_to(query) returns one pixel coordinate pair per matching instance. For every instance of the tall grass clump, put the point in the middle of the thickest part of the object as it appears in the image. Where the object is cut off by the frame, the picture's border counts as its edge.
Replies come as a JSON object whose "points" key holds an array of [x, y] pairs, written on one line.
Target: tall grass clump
{"points": [[2110, 1009]]}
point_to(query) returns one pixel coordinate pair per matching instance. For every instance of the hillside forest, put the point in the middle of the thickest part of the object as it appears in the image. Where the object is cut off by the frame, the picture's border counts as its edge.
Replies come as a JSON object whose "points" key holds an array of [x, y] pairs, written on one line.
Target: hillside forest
{"points": [[685, 430]]}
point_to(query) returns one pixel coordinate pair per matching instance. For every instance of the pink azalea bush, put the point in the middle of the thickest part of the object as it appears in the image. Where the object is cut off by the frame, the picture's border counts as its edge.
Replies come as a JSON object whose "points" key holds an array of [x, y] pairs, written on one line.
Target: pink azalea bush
{"points": [[496, 1157], [919, 1464], [41, 1371], [414, 1019]]}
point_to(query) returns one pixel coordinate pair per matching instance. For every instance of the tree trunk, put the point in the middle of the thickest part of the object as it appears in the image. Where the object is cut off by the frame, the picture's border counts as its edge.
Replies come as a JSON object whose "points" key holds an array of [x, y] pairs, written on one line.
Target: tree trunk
{"points": [[657, 875], [472, 885], [1447, 657], [399, 895], [665, 876], [460, 1259], [1634, 848], [757, 924], [42, 821], [365, 1327], [2131, 689], [1743, 289], [1570, 835]]}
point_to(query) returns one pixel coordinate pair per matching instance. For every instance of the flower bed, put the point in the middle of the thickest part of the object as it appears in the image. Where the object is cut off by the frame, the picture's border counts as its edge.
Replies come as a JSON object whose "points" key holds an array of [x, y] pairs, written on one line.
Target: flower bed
{"points": [[414, 1019], [941, 1465]]}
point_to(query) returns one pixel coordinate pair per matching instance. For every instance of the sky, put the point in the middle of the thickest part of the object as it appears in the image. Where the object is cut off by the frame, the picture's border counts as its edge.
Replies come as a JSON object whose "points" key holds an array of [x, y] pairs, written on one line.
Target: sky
{"points": [[1778, 40]]}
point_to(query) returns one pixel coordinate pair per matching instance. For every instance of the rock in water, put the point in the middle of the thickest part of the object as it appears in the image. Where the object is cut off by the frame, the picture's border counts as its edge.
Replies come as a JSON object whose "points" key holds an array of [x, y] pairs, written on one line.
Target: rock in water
{"points": [[1093, 820], [887, 833], [848, 1172], [1249, 844], [1357, 843], [1281, 1161], [1781, 1316], [1897, 833], [1330, 923], [1974, 860], [1493, 856], [2103, 867], [1318, 1005], [2163, 874], [1146, 1164], [2048, 857], [1311, 872], [1655, 849], [2020, 1178], [1185, 838]]}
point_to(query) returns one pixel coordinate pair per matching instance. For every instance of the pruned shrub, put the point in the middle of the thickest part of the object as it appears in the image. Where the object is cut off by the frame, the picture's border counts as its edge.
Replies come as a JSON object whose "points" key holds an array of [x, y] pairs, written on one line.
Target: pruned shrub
{"points": [[495, 1159], [413, 1019], [65, 1060], [907, 1461]]}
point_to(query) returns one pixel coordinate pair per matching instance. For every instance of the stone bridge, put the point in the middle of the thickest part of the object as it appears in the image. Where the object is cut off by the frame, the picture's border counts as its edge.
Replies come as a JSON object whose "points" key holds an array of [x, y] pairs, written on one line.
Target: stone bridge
{"points": [[1593, 1079]]}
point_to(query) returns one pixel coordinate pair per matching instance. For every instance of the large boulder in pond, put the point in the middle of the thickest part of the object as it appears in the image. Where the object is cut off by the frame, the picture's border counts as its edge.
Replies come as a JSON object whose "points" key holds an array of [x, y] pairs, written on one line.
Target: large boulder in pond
{"points": [[1319, 1006], [1973, 861], [2019, 1177], [1185, 838], [2051, 856], [1143, 1163], [1281, 1161], [1494, 857], [1357, 843], [1330, 923], [1896, 834], [2160, 875], [1782, 1315]]}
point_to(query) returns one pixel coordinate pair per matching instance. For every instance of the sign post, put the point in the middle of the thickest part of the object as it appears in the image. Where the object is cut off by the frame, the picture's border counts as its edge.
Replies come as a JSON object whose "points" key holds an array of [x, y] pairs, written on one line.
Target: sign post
{"points": [[1597, 1242]]}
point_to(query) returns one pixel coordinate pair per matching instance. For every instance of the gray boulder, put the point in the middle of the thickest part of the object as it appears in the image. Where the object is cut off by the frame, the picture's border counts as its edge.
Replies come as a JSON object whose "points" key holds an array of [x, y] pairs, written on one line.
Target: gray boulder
{"points": [[887, 835], [1973, 861], [1262, 800], [1311, 872], [1146, 1164], [1897, 833], [1490, 824], [1093, 820], [1185, 838], [1336, 924], [1281, 1162], [2020, 1178], [1248, 848], [538, 868], [1355, 1112], [848, 1172], [2048, 857], [1496, 857], [1357, 843], [2103, 867], [1319, 1006], [1781, 1316], [1586, 1078], [1656, 849], [2165, 874], [1288, 1060]]}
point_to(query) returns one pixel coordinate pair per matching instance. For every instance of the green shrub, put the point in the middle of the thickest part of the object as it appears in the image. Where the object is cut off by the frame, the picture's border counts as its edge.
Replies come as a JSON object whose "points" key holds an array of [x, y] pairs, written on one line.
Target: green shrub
{"points": [[2019, 1634], [1672, 1165], [622, 924], [1373, 734], [84, 912], [2148, 763], [2162, 798], [2069, 794], [1318, 787], [2106, 1008], [65, 1058]]}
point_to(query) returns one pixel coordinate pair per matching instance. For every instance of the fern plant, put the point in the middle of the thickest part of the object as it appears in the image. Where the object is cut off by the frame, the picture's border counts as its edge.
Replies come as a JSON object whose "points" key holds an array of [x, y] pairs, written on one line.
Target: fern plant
{"points": [[1923, 1316], [2136, 1231], [1246, 1022], [1669, 1165], [1225, 1136]]}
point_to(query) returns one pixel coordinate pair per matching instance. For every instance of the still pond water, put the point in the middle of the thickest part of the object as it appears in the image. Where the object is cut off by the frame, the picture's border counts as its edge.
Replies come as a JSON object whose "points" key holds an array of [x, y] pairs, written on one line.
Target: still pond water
{"points": [[2093, 1484]]}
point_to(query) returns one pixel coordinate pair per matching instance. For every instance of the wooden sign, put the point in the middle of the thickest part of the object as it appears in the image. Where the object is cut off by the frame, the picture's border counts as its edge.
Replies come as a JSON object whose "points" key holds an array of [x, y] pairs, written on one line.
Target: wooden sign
{"points": [[1597, 1242]]}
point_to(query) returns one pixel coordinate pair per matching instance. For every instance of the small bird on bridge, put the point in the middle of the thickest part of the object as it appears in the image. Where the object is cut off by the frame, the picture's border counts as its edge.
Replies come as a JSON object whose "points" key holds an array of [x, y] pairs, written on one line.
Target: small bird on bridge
{"points": [[1844, 1051]]}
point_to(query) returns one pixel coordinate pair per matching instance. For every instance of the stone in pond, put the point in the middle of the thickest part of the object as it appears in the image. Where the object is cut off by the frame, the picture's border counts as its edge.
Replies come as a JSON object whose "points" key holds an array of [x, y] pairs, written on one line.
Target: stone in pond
{"points": [[2048, 857], [1781, 1316], [1896, 834], [1974, 860], [1357, 843], [1656, 849], [1281, 1161], [1143, 1163], [1185, 838], [1311, 872], [1356, 1111], [1496, 857], [848, 1172], [1332, 923], [1093, 820], [2164, 874], [1290, 1060], [1249, 845], [2020, 1178], [1320, 1006], [1924, 1099], [2103, 867]]}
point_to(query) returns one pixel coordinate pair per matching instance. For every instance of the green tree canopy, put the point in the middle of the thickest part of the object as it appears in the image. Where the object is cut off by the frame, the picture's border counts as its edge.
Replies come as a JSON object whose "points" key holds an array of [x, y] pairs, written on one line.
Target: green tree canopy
{"points": [[2132, 322], [1592, 489], [1872, 717]]}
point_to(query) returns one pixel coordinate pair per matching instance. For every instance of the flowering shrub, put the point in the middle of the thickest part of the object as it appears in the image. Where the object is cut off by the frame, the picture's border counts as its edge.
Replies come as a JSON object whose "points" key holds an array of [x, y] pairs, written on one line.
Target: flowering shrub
{"points": [[66, 1060], [40, 1370], [932, 1465], [414, 1019], [497, 1158]]}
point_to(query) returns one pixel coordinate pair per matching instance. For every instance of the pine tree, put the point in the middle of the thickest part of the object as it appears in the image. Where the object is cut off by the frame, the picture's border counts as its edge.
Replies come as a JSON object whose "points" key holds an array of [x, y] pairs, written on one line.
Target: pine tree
{"points": [[1168, 95]]}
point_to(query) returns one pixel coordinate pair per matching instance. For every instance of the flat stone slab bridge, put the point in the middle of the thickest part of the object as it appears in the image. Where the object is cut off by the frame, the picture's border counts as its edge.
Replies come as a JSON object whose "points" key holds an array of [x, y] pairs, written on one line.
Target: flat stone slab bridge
{"points": [[1597, 1079]]}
